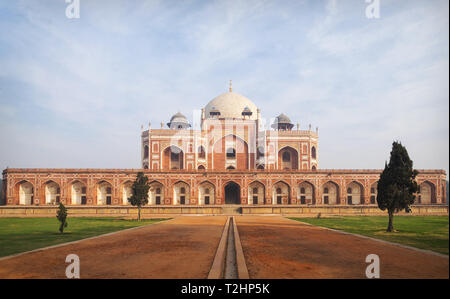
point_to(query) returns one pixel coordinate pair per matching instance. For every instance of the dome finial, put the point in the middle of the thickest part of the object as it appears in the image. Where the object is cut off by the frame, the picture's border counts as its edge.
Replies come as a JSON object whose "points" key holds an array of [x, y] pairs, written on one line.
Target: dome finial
{"points": [[231, 86]]}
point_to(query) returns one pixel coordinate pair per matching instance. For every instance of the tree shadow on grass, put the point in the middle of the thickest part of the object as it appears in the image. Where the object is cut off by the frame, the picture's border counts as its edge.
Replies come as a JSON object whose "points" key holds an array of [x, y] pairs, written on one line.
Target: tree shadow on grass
{"points": [[60, 234]]}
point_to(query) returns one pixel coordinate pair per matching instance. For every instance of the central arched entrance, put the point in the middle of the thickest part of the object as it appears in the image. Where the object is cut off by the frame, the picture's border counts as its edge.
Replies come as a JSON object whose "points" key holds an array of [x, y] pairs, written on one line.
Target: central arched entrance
{"points": [[232, 193]]}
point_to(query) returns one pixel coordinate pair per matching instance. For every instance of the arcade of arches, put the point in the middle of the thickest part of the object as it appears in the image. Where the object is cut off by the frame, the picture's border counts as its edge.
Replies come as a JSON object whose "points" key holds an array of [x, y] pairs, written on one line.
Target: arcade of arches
{"points": [[211, 188]]}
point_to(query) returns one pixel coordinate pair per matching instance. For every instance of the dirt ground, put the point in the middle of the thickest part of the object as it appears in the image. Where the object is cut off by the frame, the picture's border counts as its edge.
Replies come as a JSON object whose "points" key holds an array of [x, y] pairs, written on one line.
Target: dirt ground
{"points": [[276, 247], [183, 247]]}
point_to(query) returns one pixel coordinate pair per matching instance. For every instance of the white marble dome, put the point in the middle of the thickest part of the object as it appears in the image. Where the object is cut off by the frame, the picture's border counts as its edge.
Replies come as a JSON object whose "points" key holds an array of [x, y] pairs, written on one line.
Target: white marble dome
{"points": [[230, 105]]}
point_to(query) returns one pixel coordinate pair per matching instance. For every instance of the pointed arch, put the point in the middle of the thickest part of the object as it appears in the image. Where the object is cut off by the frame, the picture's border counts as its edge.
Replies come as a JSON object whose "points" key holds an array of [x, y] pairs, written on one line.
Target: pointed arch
{"points": [[24, 191], [230, 150], [355, 193], [281, 193], [104, 192], [427, 193], [181, 193], [173, 157], [51, 192], [306, 193], [126, 191], [78, 192], [206, 193], [232, 192], [256, 193], [330, 193], [156, 193], [287, 158]]}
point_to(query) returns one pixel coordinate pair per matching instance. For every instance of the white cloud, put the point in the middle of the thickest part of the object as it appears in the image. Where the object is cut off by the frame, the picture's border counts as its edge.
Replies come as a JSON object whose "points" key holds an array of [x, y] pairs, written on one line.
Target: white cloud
{"points": [[321, 62]]}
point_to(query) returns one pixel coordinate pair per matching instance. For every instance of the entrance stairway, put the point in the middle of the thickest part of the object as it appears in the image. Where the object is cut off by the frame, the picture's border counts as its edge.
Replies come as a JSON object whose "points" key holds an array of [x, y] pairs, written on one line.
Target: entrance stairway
{"points": [[231, 210]]}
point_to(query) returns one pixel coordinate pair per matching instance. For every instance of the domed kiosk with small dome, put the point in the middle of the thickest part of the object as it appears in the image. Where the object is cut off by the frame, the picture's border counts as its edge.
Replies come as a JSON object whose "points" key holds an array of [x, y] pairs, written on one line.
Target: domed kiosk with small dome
{"points": [[179, 121], [282, 122]]}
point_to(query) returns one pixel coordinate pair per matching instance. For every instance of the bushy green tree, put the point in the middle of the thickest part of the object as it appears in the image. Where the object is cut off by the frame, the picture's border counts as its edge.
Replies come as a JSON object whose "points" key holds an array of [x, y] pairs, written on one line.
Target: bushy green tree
{"points": [[61, 214], [397, 185], [140, 192]]}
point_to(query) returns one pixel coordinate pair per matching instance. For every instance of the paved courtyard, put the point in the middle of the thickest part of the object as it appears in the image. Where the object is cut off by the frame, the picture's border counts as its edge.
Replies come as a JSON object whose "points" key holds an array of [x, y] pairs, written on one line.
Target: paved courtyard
{"points": [[184, 247]]}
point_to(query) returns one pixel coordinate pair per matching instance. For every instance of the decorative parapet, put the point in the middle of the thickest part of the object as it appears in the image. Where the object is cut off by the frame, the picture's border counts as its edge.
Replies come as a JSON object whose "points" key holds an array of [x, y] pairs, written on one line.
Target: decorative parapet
{"points": [[194, 171]]}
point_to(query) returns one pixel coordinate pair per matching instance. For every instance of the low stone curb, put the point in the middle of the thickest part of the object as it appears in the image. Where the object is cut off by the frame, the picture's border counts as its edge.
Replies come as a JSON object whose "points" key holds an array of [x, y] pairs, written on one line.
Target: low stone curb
{"points": [[217, 268], [240, 259]]}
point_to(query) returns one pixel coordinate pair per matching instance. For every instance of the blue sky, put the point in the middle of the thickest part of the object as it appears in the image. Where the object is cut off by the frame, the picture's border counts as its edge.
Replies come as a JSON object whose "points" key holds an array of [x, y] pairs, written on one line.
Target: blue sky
{"points": [[74, 92]]}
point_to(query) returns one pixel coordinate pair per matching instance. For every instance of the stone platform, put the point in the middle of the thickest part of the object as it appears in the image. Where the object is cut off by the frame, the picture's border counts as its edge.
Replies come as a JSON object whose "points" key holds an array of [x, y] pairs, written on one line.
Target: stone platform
{"points": [[158, 211]]}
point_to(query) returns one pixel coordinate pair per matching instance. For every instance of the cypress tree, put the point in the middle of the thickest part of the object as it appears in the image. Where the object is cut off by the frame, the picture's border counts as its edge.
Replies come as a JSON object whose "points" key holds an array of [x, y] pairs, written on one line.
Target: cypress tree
{"points": [[140, 192], [62, 216], [397, 185]]}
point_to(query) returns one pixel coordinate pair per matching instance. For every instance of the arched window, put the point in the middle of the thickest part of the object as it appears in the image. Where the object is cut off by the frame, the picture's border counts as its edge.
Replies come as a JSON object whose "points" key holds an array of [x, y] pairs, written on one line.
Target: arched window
{"points": [[207, 191], [313, 152], [201, 152], [314, 167], [201, 167], [145, 152], [286, 157], [325, 190], [255, 190], [260, 151], [174, 156], [302, 190], [158, 190], [278, 190], [231, 153], [182, 190], [349, 190], [230, 168]]}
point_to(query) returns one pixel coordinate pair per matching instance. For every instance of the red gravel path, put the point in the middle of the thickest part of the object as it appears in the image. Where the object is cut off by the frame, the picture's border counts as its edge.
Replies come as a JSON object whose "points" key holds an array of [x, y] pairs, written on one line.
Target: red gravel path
{"points": [[276, 247], [183, 247]]}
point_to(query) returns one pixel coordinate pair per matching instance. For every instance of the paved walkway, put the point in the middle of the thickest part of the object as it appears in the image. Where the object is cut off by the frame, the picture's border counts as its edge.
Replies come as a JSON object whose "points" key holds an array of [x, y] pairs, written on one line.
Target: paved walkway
{"points": [[276, 247], [184, 247]]}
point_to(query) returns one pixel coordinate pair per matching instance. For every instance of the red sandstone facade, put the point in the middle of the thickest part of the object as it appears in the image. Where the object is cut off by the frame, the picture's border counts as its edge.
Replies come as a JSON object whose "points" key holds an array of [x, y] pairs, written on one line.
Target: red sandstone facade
{"points": [[297, 187], [231, 158]]}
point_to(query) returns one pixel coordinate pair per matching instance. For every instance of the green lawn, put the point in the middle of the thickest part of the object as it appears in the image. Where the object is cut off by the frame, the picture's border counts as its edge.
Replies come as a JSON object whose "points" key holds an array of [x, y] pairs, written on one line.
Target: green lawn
{"points": [[425, 232], [24, 234]]}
